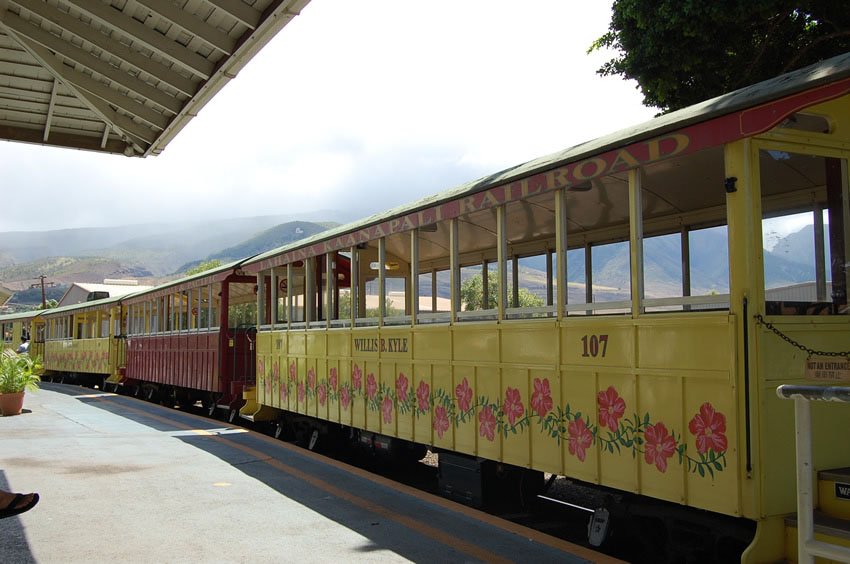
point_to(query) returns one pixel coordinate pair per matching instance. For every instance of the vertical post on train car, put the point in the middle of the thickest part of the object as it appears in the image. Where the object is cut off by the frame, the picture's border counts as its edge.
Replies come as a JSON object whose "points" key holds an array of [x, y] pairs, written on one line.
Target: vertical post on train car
{"points": [[454, 268], [588, 276], [382, 280], [636, 238], [501, 253], [330, 276], [514, 281], [820, 254], [485, 284], [562, 293], [261, 299], [685, 249], [353, 292], [274, 298], [289, 290], [746, 278], [434, 290], [414, 276], [309, 291], [224, 337]]}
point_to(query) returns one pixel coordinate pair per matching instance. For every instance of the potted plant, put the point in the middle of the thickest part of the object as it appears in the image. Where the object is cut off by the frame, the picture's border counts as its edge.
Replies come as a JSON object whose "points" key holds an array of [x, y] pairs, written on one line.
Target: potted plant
{"points": [[18, 373]]}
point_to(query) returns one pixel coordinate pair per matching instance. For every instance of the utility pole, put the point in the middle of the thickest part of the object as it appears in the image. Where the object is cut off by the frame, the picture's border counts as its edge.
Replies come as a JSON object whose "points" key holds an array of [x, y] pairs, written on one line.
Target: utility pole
{"points": [[43, 295]]}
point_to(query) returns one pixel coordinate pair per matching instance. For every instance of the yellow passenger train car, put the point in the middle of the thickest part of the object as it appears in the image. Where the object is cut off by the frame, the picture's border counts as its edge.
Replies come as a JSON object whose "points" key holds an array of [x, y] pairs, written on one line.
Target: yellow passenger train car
{"points": [[682, 269], [23, 327], [84, 343]]}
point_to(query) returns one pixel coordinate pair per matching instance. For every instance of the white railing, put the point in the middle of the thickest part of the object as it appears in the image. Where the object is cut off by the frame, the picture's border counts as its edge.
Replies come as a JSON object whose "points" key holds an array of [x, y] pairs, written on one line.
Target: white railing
{"points": [[807, 546]]}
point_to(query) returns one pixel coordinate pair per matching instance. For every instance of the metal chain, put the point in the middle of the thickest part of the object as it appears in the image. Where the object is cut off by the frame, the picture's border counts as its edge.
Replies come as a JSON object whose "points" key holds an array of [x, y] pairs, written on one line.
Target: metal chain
{"points": [[761, 321]]}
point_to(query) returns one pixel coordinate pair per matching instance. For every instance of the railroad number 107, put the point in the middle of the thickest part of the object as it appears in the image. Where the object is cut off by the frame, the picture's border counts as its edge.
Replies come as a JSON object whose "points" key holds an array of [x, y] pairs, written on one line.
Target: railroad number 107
{"points": [[591, 345]]}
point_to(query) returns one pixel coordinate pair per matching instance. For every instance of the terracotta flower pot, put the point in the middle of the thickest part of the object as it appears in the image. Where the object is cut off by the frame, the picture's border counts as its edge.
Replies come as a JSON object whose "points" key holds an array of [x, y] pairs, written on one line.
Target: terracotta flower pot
{"points": [[11, 404]]}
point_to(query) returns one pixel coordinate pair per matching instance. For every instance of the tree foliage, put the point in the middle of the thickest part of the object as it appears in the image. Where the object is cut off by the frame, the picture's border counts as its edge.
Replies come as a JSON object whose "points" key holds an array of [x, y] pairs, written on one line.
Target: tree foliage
{"points": [[472, 294], [49, 304], [204, 266], [685, 51]]}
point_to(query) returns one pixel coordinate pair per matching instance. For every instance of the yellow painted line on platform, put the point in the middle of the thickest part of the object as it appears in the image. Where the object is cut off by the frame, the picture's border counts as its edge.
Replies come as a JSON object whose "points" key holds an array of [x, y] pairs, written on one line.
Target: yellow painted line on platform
{"points": [[416, 525]]}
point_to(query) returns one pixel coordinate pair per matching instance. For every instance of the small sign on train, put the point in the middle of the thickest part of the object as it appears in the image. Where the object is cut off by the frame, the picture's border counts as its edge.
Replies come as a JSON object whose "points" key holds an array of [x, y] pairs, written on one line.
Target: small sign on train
{"points": [[828, 369]]}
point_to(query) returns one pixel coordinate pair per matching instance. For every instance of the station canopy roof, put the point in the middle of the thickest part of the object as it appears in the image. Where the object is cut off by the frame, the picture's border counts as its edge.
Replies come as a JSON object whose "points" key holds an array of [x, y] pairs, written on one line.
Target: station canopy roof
{"points": [[122, 76]]}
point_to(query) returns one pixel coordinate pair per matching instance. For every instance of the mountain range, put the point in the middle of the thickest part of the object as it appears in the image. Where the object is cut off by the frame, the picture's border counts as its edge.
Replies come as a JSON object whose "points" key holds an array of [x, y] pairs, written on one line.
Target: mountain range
{"points": [[154, 253]]}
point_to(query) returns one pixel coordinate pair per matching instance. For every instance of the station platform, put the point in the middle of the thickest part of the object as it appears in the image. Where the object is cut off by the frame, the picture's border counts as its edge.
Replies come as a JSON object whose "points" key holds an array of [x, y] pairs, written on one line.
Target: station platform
{"points": [[122, 480]]}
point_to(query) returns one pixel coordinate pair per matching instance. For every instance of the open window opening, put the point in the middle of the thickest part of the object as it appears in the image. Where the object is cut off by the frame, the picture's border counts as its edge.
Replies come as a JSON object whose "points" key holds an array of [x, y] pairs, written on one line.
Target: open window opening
{"points": [[598, 250], [804, 233], [685, 241]]}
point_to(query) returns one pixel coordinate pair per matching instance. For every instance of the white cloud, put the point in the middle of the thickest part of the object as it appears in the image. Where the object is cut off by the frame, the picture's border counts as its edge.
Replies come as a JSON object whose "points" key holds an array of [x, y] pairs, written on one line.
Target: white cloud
{"points": [[353, 106]]}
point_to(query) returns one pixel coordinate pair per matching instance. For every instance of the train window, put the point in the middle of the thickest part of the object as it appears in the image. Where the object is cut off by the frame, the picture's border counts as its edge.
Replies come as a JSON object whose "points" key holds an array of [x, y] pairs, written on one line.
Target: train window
{"points": [[280, 309], [396, 279], [434, 278], [215, 305], [342, 289], [530, 234], [368, 308], [242, 305], [477, 244], [153, 306], [202, 318], [804, 206], [598, 226], [708, 249], [676, 196], [296, 289]]}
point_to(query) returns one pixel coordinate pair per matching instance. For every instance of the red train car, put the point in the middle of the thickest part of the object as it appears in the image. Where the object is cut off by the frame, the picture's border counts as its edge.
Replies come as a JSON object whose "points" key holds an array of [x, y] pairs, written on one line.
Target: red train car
{"points": [[193, 339]]}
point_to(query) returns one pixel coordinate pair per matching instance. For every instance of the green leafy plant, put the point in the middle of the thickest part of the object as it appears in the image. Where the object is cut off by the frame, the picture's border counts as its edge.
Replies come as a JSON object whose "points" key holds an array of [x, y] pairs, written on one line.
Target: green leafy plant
{"points": [[18, 372]]}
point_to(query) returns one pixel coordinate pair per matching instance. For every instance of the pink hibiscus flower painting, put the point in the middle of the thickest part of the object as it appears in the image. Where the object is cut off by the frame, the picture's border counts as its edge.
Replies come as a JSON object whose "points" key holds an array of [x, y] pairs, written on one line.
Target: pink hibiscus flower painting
{"points": [[541, 397], [371, 386], [333, 379], [356, 378], [611, 408], [513, 405], [579, 438], [487, 423], [441, 420], [423, 396], [659, 446], [401, 387], [709, 428], [463, 393], [387, 409]]}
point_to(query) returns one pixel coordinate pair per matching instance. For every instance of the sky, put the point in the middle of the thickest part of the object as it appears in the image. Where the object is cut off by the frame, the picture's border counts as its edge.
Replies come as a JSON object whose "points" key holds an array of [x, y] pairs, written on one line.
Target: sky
{"points": [[353, 108]]}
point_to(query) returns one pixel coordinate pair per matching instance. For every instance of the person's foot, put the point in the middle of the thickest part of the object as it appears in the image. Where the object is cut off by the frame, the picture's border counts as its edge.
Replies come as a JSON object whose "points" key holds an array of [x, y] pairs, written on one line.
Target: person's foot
{"points": [[13, 504]]}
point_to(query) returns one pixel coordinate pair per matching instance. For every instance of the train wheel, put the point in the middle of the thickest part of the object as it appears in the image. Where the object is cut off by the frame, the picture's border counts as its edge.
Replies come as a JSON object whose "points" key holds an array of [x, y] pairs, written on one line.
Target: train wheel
{"points": [[232, 415], [150, 393]]}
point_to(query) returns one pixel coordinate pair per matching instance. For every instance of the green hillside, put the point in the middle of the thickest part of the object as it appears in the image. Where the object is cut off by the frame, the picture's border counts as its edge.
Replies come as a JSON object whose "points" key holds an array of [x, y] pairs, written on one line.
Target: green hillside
{"points": [[267, 240]]}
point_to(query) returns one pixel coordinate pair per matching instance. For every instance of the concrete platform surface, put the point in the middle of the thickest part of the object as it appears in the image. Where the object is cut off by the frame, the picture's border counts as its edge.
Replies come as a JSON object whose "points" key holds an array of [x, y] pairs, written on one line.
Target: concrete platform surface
{"points": [[122, 480]]}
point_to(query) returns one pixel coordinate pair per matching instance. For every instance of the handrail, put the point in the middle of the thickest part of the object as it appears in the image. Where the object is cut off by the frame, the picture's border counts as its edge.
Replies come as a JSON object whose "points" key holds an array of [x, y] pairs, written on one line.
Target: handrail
{"points": [[807, 546]]}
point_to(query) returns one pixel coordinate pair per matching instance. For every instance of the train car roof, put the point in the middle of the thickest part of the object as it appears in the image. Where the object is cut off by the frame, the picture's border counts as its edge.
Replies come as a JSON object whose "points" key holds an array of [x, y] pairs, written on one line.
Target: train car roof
{"points": [[83, 307], [784, 87], [22, 315], [195, 280], [123, 77]]}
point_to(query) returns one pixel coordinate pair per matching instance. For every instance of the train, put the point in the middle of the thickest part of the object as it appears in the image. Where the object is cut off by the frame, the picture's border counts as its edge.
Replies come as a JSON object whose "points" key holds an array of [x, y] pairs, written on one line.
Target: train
{"points": [[657, 397]]}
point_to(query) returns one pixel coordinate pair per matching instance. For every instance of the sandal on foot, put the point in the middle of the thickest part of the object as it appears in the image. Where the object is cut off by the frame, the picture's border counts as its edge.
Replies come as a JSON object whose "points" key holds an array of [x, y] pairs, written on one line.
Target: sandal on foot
{"points": [[12, 509]]}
